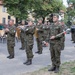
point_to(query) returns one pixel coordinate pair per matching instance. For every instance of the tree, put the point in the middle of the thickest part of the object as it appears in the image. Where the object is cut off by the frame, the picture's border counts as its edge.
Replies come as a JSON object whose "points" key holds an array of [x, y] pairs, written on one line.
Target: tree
{"points": [[46, 7], [71, 9], [17, 8], [39, 8]]}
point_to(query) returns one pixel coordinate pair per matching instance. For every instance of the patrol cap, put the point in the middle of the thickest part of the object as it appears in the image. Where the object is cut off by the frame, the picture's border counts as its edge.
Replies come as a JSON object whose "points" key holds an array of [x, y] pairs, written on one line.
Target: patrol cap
{"points": [[61, 20], [40, 19], [55, 14], [29, 20]]}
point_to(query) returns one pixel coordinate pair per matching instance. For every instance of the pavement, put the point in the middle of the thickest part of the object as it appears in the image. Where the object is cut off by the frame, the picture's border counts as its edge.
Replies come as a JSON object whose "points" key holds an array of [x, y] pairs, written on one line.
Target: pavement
{"points": [[16, 67]]}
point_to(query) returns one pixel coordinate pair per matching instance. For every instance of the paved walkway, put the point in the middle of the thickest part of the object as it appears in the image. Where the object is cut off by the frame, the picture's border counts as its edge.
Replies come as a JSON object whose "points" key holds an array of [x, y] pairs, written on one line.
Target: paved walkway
{"points": [[16, 67]]}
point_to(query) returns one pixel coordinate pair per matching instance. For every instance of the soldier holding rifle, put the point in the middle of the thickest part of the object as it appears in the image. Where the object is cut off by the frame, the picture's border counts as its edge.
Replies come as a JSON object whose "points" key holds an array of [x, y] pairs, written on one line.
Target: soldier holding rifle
{"points": [[55, 45]]}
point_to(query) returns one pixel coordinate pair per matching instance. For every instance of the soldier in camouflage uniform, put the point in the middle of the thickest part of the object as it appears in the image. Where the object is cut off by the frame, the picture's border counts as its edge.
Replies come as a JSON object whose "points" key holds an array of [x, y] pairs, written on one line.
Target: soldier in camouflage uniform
{"points": [[55, 46], [64, 27], [39, 39], [10, 31], [45, 34], [22, 36], [29, 32]]}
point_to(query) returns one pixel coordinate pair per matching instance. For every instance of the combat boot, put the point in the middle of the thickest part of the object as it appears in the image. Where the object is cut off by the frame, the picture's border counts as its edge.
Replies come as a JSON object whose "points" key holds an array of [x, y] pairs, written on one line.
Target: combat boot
{"points": [[8, 56], [25, 62], [56, 70], [21, 48], [29, 62], [52, 68], [11, 57], [37, 52]]}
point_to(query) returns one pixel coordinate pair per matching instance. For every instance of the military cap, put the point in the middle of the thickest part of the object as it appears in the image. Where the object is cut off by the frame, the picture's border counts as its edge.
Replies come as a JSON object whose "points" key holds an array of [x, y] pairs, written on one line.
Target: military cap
{"points": [[55, 14], [40, 19], [61, 20], [29, 20]]}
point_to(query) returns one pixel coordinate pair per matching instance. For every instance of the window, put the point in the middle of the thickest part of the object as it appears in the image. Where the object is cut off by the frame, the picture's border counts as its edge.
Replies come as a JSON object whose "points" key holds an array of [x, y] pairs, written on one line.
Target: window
{"points": [[4, 20], [9, 17], [4, 9]]}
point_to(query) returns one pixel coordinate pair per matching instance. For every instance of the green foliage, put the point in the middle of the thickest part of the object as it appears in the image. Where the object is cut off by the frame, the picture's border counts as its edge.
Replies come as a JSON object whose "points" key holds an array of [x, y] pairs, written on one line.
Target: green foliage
{"points": [[72, 13], [39, 8], [17, 8], [47, 7], [73, 1], [73, 70]]}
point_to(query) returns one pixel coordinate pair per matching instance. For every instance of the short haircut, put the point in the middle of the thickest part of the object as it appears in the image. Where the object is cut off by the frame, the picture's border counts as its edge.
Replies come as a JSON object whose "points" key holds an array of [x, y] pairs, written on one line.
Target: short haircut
{"points": [[11, 20], [55, 14]]}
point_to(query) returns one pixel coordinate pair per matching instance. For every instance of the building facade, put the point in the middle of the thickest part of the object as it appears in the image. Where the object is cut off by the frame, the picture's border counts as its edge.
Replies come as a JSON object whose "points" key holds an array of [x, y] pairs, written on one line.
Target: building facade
{"points": [[4, 16]]}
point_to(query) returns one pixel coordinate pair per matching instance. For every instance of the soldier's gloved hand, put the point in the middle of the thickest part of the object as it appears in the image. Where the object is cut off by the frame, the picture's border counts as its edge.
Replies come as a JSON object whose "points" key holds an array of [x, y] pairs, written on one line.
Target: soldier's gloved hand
{"points": [[52, 37]]}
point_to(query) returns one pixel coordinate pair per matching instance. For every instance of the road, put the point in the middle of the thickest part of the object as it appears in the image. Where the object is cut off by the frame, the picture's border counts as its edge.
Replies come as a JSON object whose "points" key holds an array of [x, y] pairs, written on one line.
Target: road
{"points": [[16, 67]]}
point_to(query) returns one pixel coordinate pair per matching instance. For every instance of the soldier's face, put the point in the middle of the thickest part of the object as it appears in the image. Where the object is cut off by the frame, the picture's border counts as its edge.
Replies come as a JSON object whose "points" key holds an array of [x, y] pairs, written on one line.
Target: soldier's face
{"points": [[11, 23], [23, 22], [30, 23], [55, 18], [45, 23], [62, 23], [40, 21]]}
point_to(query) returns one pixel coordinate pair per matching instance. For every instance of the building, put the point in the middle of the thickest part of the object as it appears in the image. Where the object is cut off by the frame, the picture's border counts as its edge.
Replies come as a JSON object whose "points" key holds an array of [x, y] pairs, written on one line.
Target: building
{"points": [[4, 16]]}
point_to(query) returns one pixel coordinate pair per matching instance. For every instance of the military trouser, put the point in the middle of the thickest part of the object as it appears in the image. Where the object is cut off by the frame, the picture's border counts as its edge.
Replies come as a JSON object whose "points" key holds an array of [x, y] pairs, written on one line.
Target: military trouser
{"points": [[10, 49], [55, 50], [45, 38], [62, 42], [39, 45], [62, 46], [73, 37], [22, 43], [29, 51]]}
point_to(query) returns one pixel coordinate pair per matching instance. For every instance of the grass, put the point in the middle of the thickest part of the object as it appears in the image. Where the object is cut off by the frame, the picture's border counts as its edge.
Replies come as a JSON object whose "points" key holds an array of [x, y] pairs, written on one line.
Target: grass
{"points": [[67, 68]]}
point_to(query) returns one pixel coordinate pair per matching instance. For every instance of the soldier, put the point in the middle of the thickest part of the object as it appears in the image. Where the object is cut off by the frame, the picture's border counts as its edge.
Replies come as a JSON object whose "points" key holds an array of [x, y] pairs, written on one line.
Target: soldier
{"points": [[29, 32], [45, 34], [55, 46], [64, 27], [73, 32], [10, 31], [39, 39], [22, 36]]}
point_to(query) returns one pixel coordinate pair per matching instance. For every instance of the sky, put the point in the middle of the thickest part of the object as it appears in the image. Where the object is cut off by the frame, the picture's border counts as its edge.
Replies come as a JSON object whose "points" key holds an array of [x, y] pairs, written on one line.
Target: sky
{"points": [[65, 3]]}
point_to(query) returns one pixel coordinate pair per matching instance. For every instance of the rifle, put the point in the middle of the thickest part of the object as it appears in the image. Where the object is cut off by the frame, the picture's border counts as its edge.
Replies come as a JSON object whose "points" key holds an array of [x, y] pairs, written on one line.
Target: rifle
{"points": [[64, 32]]}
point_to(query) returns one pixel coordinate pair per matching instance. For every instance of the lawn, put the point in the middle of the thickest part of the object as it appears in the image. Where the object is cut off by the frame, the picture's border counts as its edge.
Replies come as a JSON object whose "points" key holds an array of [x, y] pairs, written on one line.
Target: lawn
{"points": [[67, 68]]}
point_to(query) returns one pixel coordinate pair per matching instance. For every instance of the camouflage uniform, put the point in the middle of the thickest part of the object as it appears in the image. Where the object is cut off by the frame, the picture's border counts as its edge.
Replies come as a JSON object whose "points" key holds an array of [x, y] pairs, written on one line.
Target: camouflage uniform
{"points": [[45, 33], [22, 37], [40, 38], [63, 37], [55, 45], [11, 40], [29, 31]]}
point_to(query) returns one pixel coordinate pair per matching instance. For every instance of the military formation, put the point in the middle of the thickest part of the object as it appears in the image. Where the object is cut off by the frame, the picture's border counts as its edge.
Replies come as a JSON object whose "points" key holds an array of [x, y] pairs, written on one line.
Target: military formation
{"points": [[45, 34]]}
